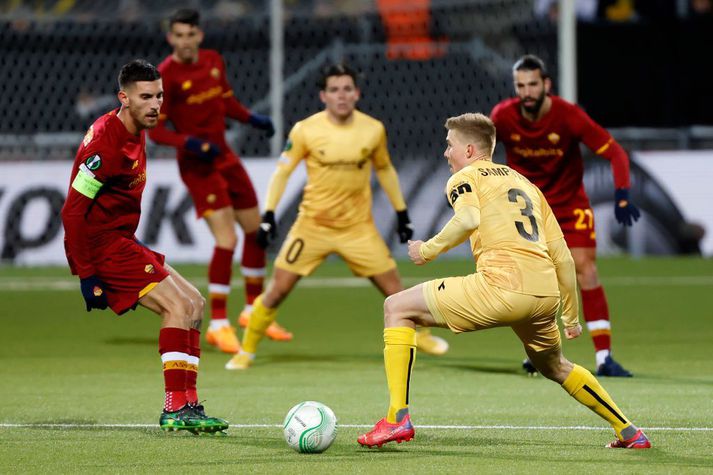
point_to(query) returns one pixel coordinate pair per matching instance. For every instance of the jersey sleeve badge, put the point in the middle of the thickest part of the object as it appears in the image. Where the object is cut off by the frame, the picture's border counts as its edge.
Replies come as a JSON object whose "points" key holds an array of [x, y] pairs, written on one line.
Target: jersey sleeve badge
{"points": [[88, 136], [94, 162]]}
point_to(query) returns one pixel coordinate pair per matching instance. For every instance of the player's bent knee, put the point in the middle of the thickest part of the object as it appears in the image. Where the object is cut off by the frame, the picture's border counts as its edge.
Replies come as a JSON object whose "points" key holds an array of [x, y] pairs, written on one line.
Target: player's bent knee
{"points": [[179, 311], [229, 241], [392, 315], [198, 302]]}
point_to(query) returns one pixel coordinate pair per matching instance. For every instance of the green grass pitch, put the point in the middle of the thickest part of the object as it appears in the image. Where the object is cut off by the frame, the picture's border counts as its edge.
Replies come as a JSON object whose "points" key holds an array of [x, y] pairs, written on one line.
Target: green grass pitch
{"points": [[82, 392]]}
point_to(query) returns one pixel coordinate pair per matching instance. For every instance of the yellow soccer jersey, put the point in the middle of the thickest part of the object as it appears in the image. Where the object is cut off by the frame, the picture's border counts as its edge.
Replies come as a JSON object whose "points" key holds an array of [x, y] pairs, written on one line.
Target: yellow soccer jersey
{"points": [[339, 160], [510, 245]]}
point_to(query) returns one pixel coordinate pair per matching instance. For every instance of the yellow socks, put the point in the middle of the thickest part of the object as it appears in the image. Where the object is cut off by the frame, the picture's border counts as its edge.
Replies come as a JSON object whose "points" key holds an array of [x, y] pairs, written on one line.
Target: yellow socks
{"points": [[581, 385], [399, 357], [260, 319]]}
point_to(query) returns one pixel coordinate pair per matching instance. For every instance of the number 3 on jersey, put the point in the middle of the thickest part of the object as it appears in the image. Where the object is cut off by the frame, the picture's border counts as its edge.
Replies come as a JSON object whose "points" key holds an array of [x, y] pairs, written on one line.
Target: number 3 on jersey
{"points": [[513, 195]]}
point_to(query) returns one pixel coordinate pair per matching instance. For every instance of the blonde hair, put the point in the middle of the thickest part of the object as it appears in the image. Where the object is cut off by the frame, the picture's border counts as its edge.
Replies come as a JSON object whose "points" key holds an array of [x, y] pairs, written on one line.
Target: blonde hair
{"points": [[474, 128]]}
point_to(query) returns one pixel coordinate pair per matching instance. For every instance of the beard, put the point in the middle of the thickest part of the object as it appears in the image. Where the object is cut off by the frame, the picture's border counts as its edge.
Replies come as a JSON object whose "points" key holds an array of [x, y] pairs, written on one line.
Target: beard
{"points": [[535, 108]]}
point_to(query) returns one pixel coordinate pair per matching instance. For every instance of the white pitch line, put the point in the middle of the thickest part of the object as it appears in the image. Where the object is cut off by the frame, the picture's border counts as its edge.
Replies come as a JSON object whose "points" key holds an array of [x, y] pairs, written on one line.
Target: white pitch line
{"points": [[38, 284], [351, 426]]}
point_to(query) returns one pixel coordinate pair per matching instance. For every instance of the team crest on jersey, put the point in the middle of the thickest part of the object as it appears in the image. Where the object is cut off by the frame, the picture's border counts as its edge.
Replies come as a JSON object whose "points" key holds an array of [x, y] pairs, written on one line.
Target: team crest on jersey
{"points": [[93, 162], [149, 269], [215, 72], [553, 137], [515, 137], [210, 198], [88, 136], [288, 145], [187, 85]]}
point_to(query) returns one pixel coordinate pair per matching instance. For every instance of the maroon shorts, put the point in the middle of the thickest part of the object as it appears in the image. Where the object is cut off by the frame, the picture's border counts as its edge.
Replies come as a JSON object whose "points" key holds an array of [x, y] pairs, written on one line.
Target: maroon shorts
{"points": [[129, 270], [577, 226], [216, 187]]}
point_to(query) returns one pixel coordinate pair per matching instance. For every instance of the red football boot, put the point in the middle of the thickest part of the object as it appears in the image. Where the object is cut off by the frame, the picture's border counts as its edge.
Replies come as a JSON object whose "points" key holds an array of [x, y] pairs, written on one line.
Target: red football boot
{"points": [[384, 432], [639, 441]]}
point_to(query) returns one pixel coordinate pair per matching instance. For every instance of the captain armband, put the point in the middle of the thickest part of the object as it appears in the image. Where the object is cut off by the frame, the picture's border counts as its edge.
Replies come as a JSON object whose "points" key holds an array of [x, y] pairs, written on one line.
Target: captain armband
{"points": [[85, 183]]}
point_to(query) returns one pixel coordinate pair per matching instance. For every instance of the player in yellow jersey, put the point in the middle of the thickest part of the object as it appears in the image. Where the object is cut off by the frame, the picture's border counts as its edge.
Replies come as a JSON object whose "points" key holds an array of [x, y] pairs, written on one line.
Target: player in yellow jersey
{"points": [[524, 271], [339, 145]]}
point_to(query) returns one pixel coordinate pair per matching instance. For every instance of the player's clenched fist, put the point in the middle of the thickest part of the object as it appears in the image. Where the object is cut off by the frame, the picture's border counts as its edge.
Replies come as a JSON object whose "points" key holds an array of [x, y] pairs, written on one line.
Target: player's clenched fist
{"points": [[573, 332], [626, 213], [414, 252], [268, 230], [94, 293], [404, 227], [202, 149]]}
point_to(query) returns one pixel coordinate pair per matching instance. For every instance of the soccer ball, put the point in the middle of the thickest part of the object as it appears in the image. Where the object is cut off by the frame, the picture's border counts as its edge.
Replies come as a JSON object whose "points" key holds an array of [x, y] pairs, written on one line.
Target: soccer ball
{"points": [[310, 427]]}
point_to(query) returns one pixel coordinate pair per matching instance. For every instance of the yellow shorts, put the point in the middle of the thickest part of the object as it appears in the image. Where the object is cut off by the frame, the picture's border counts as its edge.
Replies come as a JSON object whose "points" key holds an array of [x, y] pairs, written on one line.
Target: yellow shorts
{"points": [[308, 244], [470, 303]]}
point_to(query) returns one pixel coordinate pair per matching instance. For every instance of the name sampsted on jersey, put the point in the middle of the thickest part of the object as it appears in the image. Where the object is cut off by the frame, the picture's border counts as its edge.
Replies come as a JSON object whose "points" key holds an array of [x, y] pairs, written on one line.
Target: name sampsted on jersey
{"points": [[498, 171], [206, 95], [538, 152]]}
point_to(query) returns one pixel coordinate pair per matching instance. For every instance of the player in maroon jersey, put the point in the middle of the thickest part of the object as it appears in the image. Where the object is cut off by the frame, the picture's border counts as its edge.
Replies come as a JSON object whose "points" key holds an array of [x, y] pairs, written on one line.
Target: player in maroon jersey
{"points": [[100, 217], [198, 98], [541, 133]]}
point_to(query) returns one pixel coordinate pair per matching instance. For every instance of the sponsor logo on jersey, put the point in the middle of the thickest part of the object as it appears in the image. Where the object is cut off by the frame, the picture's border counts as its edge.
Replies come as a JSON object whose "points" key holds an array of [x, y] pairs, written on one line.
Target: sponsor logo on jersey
{"points": [[515, 137], [359, 164], [149, 269], [458, 190], [201, 97], [93, 162], [554, 138], [88, 136], [186, 85], [442, 286], [215, 72], [538, 152], [134, 164], [140, 178]]}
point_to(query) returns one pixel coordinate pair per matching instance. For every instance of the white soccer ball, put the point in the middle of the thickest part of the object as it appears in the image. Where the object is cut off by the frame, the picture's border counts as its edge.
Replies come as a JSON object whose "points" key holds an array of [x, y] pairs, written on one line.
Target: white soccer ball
{"points": [[310, 427]]}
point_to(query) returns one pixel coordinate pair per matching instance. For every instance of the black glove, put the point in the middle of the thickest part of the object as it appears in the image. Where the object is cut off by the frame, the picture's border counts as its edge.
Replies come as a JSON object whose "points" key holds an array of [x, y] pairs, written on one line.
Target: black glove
{"points": [[262, 122], [404, 227], [94, 293], [267, 231], [626, 213], [204, 150]]}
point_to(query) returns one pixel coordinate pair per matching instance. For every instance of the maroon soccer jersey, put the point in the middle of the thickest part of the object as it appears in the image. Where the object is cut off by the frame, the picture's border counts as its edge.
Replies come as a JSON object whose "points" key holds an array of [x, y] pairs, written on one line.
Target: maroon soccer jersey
{"points": [[104, 197], [197, 99], [547, 151]]}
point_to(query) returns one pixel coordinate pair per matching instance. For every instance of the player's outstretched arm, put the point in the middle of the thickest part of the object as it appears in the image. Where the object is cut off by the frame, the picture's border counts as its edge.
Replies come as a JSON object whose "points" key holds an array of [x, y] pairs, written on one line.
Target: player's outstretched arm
{"points": [[603, 144], [278, 182], [389, 181], [459, 228], [567, 282], [81, 194]]}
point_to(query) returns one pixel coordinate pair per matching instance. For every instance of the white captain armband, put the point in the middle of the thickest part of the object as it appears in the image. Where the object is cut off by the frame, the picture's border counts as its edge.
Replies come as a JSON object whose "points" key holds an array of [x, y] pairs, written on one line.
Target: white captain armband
{"points": [[85, 183]]}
